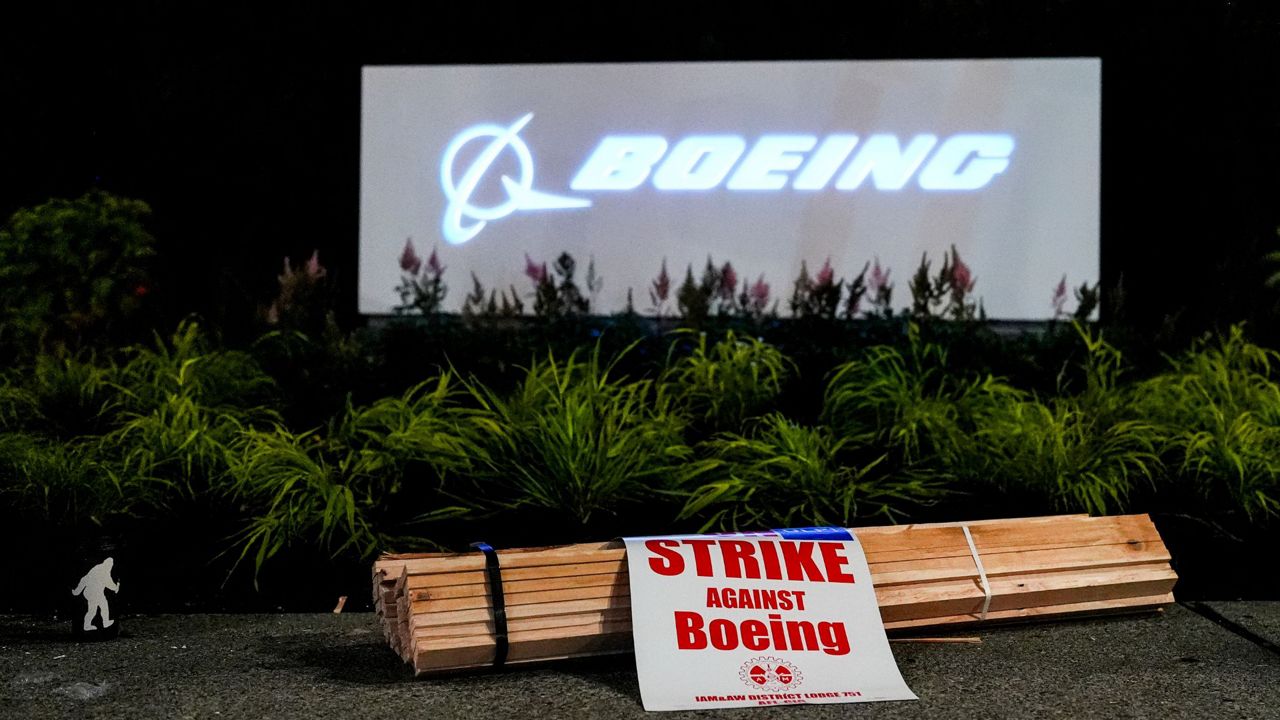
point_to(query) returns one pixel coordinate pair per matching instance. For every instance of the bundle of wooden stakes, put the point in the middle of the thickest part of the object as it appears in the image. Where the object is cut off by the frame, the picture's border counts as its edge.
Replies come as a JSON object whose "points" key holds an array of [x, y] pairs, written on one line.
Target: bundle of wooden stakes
{"points": [[574, 600]]}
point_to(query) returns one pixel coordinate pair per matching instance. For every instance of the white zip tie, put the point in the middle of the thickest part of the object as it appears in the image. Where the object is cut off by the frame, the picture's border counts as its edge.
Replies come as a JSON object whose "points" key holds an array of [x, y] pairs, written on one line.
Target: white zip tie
{"points": [[982, 572]]}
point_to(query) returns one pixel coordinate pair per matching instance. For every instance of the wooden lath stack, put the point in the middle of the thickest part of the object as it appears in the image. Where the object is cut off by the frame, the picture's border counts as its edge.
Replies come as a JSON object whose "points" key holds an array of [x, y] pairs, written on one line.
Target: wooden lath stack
{"points": [[574, 600]]}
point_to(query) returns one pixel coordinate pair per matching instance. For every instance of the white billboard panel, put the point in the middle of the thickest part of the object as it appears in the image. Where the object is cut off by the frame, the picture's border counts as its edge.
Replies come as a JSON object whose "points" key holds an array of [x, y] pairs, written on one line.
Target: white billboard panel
{"points": [[763, 164]]}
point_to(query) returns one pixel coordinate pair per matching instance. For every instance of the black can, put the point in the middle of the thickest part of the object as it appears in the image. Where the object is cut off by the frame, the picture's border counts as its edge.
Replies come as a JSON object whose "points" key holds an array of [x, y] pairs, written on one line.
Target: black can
{"points": [[94, 591]]}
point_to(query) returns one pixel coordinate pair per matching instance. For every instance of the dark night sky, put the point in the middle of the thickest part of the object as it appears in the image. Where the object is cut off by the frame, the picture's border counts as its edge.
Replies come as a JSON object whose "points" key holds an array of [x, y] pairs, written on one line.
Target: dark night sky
{"points": [[240, 125]]}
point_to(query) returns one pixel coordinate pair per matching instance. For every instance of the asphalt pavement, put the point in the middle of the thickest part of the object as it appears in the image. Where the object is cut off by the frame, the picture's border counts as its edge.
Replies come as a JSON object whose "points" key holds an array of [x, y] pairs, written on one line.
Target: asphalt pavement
{"points": [[1216, 660]]}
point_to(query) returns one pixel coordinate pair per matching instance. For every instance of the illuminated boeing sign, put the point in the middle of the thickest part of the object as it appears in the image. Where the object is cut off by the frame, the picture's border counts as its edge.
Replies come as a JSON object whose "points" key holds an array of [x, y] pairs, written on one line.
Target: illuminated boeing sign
{"points": [[967, 161], [773, 167]]}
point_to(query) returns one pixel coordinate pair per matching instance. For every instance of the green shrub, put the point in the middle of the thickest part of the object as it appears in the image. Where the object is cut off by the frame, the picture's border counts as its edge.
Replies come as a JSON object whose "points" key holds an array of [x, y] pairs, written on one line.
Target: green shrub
{"points": [[1062, 453], [786, 475], [732, 380], [918, 404], [190, 365], [1081, 452], [363, 486], [315, 376], [179, 442], [1103, 395], [1220, 407], [63, 397], [116, 440], [72, 272], [575, 440], [183, 404], [1078, 453], [428, 424], [303, 490], [69, 485], [18, 407]]}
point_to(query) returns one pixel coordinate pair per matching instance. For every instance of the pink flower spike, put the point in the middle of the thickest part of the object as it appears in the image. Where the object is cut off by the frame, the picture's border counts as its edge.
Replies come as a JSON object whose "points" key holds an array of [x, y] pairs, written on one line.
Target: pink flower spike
{"points": [[409, 260], [879, 277], [825, 275], [961, 276], [1060, 297], [759, 292], [433, 264], [314, 268], [728, 281], [537, 273], [662, 285]]}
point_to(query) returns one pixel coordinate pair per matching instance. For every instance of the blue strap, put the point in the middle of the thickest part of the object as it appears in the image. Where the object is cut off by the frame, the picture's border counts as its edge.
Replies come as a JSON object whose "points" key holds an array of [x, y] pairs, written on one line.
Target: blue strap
{"points": [[494, 571], [815, 533]]}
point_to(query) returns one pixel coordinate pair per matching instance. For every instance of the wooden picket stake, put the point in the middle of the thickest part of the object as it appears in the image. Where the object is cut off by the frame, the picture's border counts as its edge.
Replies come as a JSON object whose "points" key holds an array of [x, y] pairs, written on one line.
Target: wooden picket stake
{"points": [[574, 600]]}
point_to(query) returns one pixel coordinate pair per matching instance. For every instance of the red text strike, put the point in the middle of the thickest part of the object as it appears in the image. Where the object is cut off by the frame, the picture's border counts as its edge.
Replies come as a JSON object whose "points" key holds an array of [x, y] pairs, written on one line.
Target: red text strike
{"points": [[776, 559]]}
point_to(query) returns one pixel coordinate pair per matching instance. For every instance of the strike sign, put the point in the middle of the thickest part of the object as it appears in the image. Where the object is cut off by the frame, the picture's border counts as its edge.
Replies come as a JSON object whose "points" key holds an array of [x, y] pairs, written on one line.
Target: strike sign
{"points": [[785, 617]]}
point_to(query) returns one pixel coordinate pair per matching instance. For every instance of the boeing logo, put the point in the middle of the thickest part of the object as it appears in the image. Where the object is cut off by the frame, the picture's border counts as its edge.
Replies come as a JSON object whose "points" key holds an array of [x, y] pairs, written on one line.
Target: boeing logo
{"points": [[520, 193], [805, 163]]}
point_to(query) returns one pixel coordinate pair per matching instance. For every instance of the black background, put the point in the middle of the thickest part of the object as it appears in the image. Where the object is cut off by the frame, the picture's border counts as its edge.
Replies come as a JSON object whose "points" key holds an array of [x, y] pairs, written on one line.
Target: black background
{"points": [[240, 123]]}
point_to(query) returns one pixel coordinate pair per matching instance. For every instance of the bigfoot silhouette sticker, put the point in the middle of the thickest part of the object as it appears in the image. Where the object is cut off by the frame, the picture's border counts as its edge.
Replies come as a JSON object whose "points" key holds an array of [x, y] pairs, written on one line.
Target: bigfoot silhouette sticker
{"points": [[93, 587], [785, 617]]}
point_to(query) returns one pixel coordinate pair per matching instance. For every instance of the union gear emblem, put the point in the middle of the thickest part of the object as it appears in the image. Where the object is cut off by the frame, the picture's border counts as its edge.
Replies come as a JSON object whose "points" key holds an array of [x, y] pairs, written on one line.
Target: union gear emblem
{"points": [[770, 674]]}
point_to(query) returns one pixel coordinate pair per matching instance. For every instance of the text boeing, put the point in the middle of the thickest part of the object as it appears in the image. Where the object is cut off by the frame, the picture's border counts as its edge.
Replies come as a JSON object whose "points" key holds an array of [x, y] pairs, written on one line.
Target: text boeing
{"points": [[805, 163], [703, 162]]}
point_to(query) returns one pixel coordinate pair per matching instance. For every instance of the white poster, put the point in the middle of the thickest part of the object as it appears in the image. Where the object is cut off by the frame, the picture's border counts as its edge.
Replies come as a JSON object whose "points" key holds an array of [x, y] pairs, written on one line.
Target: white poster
{"points": [[498, 169], [786, 617]]}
